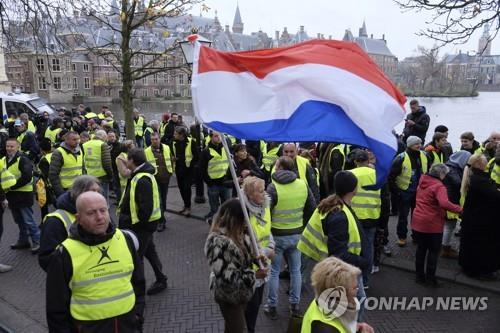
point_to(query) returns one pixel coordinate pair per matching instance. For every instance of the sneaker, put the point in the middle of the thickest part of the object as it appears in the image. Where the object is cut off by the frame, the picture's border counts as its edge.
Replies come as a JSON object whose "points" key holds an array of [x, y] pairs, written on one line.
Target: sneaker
{"points": [[401, 242], [186, 212], [20, 246], [35, 248], [271, 312], [295, 310], [157, 287], [5, 268], [387, 250], [375, 269]]}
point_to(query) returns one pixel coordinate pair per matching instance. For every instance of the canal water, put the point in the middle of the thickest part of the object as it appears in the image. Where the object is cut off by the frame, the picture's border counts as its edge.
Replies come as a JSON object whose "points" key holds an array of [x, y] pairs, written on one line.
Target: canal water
{"points": [[480, 114]]}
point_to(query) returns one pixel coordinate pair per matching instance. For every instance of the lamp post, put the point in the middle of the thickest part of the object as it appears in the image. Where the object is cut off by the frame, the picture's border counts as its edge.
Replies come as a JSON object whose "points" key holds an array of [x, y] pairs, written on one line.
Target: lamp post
{"points": [[187, 48]]}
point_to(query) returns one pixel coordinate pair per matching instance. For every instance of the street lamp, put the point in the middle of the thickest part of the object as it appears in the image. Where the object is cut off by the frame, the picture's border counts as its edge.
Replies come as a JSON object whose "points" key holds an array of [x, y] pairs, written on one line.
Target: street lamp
{"points": [[187, 48]]}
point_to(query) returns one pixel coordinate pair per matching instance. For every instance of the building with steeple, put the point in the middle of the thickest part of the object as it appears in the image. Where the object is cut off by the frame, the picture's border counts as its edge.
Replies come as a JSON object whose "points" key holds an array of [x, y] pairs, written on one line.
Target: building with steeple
{"points": [[237, 22], [484, 45]]}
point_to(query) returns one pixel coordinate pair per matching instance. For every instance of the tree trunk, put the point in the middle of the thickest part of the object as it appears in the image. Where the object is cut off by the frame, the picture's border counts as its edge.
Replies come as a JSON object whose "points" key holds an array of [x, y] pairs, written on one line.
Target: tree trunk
{"points": [[127, 82]]}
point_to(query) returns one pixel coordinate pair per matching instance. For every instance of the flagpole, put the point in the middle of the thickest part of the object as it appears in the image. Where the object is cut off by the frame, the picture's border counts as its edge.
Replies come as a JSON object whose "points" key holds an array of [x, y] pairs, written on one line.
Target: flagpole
{"points": [[255, 246]]}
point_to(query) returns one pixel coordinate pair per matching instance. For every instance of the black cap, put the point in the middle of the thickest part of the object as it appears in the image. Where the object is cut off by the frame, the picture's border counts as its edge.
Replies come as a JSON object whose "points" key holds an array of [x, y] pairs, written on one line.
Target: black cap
{"points": [[345, 182]]}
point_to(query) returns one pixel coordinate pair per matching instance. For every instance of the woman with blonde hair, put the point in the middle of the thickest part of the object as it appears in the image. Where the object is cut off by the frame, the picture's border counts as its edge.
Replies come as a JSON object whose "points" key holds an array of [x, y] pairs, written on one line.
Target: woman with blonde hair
{"points": [[480, 240], [257, 202], [335, 307]]}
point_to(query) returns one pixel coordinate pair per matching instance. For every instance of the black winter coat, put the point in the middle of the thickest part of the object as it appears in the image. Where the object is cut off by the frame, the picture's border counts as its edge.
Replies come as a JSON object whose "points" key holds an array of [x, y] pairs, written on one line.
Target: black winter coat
{"points": [[422, 120], [453, 181], [58, 293], [18, 199], [480, 234]]}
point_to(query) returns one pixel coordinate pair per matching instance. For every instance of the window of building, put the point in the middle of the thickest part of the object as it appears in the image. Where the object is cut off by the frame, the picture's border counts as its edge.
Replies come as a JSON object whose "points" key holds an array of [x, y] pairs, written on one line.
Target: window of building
{"points": [[40, 65], [75, 83], [68, 64], [73, 67], [145, 81], [85, 67], [167, 92], [155, 79], [156, 92], [144, 93], [181, 79], [57, 83], [106, 92], [86, 83], [42, 84], [56, 65]]}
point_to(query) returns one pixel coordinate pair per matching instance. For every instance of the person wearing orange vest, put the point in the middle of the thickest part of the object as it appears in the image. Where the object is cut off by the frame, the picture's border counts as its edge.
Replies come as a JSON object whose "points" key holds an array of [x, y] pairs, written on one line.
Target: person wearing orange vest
{"points": [[95, 280]]}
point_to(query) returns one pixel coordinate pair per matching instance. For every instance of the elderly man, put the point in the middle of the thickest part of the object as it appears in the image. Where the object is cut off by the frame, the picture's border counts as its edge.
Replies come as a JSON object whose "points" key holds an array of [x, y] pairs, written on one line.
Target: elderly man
{"points": [[95, 280]]}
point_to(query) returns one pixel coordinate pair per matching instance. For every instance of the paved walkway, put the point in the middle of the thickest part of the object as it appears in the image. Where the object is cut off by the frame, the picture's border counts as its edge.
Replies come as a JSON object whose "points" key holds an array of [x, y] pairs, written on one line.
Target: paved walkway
{"points": [[187, 305]]}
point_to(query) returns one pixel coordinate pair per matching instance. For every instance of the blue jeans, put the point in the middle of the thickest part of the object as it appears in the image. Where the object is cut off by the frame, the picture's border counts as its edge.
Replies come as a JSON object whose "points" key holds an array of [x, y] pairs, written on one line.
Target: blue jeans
{"points": [[285, 245], [27, 225], [217, 194], [370, 237]]}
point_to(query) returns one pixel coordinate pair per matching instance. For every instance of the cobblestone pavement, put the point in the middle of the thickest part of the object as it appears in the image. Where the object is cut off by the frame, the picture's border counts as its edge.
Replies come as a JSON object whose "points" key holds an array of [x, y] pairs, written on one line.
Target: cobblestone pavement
{"points": [[187, 305]]}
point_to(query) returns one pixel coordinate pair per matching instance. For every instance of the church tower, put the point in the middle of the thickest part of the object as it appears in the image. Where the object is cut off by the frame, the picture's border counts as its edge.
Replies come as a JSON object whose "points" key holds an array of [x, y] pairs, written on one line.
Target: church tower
{"points": [[484, 47], [237, 22]]}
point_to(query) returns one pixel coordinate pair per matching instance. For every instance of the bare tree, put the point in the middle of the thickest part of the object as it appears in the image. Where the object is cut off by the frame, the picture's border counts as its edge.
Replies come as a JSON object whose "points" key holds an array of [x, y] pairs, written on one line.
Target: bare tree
{"points": [[455, 21]]}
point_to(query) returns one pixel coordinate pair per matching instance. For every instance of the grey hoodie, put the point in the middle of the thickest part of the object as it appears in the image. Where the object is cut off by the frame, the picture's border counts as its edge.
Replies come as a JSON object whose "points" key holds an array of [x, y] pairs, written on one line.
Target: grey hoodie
{"points": [[459, 159]]}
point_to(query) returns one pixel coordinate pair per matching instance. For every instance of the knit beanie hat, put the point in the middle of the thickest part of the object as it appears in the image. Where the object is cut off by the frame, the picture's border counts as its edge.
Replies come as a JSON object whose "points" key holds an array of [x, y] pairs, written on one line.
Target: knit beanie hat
{"points": [[345, 182], [413, 140]]}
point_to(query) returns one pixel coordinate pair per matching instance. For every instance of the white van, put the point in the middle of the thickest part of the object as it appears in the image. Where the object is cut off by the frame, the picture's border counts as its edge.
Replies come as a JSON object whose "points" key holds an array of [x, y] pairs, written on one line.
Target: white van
{"points": [[20, 102]]}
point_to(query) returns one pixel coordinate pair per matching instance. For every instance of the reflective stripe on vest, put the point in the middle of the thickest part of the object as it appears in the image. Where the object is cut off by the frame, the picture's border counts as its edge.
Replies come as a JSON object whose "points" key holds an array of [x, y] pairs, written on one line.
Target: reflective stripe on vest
{"points": [[150, 156], [218, 164], [156, 213], [288, 212], [270, 157], [52, 134], [366, 203], [188, 154], [313, 314], [93, 158], [139, 127], [7, 179], [14, 171], [313, 242], [354, 245], [262, 231], [101, 285], [64, 216], [404, 179], [72, 167]]}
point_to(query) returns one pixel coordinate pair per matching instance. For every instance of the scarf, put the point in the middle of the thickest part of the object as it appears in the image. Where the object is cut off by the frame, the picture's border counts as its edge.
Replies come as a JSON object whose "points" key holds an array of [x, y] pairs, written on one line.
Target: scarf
{"points": [[257, 210]]}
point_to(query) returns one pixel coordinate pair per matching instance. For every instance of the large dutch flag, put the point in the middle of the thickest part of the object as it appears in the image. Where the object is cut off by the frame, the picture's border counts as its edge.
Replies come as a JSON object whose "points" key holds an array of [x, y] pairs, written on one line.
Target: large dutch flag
{"points": [[320, 90]]}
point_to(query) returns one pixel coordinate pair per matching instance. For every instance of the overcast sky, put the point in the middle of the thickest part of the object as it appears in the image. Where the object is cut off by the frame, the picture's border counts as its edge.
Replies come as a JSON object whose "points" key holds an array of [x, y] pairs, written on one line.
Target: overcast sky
{"points": [[332, 17]]}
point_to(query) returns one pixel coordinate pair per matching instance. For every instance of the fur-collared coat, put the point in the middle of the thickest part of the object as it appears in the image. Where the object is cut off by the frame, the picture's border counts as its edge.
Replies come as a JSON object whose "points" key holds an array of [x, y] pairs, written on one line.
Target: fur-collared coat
{"points": [[232, 278]]}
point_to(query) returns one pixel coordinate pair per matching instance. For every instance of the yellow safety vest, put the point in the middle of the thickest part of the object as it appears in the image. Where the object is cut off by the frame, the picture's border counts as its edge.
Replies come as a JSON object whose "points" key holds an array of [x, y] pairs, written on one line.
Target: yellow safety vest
{"points": [[139, 126], [494, 171], [101, 116], [188, 154], [262, 231], [156, 214], [302, 164], [64, 216], [150, 156], [7, 179], [269, 157], [313, 313], [218, 164], [14, 170], [354, 245], [437, 158], [31, 127], [101, 285], [52, 134], [288, 212], [123, 180], [20, 139], [90, 115], [163, 126], [313, 241], [366, 203], [343, 150], [72, 167], [404, 179], [93, 158]]}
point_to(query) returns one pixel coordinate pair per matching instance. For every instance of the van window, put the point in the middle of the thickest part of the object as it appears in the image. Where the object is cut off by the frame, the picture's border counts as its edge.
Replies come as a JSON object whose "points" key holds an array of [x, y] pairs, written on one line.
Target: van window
{"points": [[17, 108]]}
